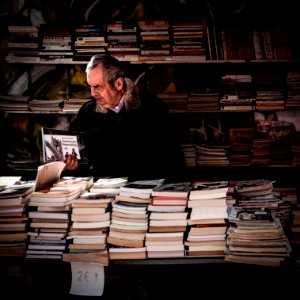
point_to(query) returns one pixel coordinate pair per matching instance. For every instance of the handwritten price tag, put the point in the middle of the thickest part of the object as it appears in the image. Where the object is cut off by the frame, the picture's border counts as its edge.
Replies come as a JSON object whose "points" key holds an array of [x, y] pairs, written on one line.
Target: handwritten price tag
{"points": [[87, 279]]}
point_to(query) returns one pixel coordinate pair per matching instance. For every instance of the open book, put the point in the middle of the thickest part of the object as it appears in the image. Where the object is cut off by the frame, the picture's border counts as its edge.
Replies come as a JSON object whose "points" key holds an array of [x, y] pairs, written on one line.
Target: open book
{"points": [[57, 144]]}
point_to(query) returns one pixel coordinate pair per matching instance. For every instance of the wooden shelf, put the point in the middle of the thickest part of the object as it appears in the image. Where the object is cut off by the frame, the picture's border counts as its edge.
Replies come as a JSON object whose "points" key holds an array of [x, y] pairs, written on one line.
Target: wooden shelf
{"points": [[166, 60]]}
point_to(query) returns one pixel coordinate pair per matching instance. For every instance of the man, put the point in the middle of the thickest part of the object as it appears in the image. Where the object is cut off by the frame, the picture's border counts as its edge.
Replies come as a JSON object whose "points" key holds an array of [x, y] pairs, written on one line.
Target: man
{"points": [[128, 133]]}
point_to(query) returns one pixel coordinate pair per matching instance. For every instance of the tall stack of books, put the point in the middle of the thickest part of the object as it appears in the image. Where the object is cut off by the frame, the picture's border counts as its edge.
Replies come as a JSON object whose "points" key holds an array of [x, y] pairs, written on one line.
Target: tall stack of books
{"points": [[256, 236], [88, 41], [167, 220], [189, 151], [49, 213], [189, 40], [270, 91], [23, 44], [90, 221], [295, 230], [238, 92], [208, 101], [154, 39], [56, 44], [123, 41], [293, 93], [241, 140], [207, 220], [212, 155], [130, 220], [13, 219]]}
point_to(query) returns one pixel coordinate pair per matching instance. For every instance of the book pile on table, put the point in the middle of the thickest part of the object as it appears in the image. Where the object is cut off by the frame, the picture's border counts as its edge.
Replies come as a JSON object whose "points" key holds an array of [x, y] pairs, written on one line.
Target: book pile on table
{"points": [[207, 220], [255, 236], [167, 220], [13, 219], [90, 221], [130, 220], [49, 212]]}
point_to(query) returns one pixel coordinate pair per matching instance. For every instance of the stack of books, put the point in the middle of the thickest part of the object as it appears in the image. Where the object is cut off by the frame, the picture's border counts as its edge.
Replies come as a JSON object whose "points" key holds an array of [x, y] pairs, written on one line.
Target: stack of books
{"points": [[123, 41], [167, 220], [49, 212], [189, 40], [212, 155], [108, 185], [256, 236], [88, 41], [23, 44], [13, 219], [154, 39], [130, 220], [207, 220], [90, 219], [56, 44]]}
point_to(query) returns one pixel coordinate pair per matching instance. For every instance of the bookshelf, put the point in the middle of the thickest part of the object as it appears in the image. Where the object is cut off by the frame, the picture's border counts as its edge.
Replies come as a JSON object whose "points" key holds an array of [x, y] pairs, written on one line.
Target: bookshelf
{"points": [[220, 29]]}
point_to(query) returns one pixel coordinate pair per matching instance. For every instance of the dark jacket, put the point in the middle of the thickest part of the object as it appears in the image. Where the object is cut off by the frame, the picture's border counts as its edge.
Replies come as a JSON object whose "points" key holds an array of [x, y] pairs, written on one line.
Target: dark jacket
{"points": [[138, 142]]}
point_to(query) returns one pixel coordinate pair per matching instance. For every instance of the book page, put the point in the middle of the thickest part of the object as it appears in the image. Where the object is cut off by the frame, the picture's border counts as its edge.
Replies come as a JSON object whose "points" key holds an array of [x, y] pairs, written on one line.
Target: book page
{"points": [[48, 174]]}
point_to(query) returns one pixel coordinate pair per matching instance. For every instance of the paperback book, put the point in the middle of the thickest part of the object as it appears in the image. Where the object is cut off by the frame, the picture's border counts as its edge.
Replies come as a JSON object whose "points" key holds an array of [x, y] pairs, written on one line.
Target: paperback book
{"points": [[57, 144]]}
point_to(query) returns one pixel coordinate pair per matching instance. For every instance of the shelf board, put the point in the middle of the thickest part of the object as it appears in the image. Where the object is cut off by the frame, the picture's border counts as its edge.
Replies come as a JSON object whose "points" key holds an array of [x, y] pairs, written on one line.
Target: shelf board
{"points": [[41, 112], [166, 60]]}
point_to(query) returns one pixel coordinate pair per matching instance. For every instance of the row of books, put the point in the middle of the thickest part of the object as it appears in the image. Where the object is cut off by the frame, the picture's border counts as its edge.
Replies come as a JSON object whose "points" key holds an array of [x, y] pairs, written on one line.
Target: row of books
{"points": [[148, 39], [114, 219]]}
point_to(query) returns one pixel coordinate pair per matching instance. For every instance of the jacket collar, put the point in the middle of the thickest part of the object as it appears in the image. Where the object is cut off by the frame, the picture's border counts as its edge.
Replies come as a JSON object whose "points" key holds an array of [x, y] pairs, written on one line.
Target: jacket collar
{"points": [[131, 100]]}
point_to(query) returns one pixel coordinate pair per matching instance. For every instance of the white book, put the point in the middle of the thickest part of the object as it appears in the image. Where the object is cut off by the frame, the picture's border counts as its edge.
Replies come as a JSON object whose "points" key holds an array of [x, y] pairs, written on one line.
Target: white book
{"points": [[91, 224], [165, 247], [131, 224], [122, 250], [127, 236], [88, 210], [168, 223], [168, 216], [48, 215], [46, 247], [110, 182], [86, 240], [164, 234], [207, 248], [169, 208]]}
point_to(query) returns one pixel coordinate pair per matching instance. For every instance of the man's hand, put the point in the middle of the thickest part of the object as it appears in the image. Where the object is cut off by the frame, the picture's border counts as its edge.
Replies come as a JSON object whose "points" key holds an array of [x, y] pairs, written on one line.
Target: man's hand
{"points": [[71, 162]]}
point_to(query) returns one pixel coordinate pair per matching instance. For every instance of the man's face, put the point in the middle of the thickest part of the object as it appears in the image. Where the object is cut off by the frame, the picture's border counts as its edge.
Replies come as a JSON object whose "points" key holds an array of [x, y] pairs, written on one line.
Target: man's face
{"points": [[104, 94]]}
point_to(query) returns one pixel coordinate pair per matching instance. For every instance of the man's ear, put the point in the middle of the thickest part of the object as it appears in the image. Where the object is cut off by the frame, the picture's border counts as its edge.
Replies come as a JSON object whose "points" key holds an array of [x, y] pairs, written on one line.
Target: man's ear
{"points": [[119, 83]]}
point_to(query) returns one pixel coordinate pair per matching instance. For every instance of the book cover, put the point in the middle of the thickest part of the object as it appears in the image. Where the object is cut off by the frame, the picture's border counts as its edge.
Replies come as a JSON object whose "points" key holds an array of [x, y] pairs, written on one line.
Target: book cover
{"points": [[57, 144], [178, 189]]}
